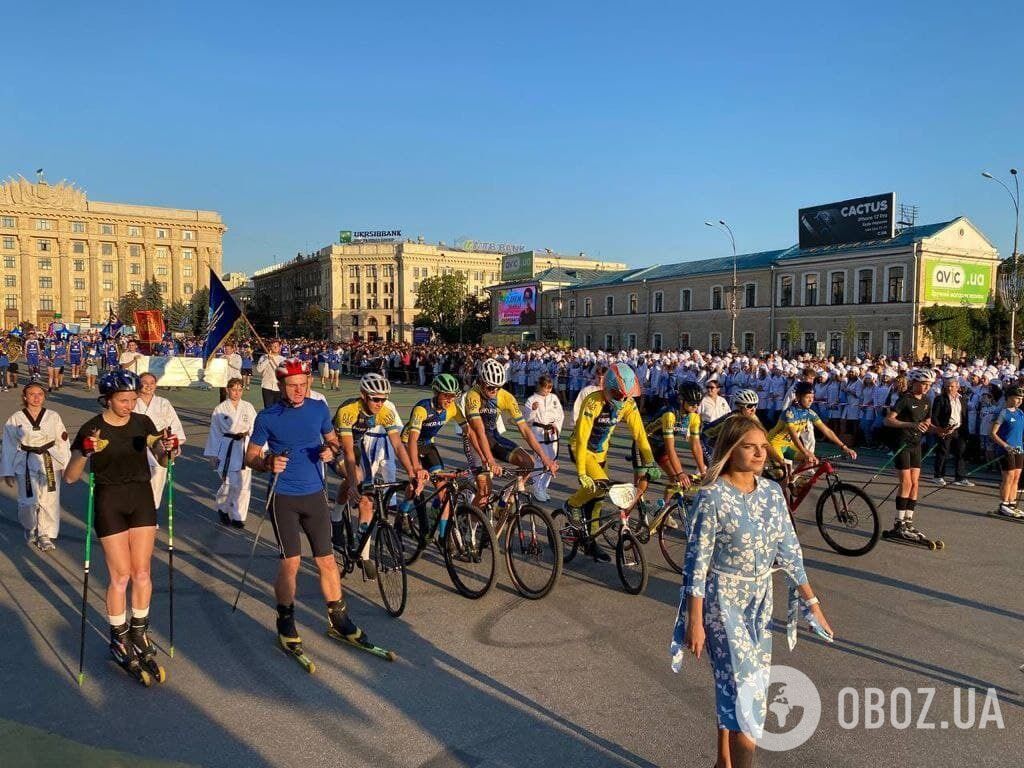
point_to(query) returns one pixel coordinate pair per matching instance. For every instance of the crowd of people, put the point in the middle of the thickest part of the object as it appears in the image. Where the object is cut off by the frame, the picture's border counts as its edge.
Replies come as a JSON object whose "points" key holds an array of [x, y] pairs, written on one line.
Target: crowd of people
{"points": [[743, 420]]}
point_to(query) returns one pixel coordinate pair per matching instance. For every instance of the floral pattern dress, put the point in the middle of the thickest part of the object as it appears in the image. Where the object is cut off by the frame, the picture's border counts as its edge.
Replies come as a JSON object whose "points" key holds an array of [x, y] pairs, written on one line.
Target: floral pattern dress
{"points": [[735, 541]]}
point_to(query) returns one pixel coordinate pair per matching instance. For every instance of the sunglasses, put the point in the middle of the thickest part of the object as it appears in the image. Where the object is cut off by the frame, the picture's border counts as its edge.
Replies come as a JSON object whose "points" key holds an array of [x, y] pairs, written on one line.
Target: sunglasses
{"points": [[748, 407], [378, 399], [491, 389]]}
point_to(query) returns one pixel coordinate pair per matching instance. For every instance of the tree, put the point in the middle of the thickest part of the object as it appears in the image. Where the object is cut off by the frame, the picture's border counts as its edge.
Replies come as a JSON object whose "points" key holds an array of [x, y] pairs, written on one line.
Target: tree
{"points": [[851, 336], [127, 305], [311, 322], [200, 306], [152, 296], [794, 331], [477, 314], [440, 301], [260, 315], [178, 317]]}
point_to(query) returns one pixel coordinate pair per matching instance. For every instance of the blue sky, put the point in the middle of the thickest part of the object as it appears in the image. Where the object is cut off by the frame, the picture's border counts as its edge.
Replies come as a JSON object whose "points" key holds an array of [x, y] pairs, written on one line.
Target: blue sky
{"points": [[591, 127]]}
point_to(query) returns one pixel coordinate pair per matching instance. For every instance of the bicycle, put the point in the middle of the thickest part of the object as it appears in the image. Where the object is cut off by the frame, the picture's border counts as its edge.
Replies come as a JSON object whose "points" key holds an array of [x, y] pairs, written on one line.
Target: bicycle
{"points": [[378, 551], [630, 561], [529, 533], [669, 524], [467, 546]]}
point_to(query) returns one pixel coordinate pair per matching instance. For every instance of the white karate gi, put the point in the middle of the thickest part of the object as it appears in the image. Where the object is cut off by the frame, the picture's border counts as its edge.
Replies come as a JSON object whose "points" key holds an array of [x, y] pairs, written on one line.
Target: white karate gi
{"points": [[163, 415], [544, 409], [236, 478], [38, 489]]}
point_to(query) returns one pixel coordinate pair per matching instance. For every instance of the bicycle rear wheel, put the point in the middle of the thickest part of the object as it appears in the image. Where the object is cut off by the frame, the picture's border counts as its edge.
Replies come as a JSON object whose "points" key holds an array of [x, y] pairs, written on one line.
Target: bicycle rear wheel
{"points": [[469, 552], [848, 520], [392, 579], [569, 536], [631, 563], [672, 537], [411, 526], [533, 552]]}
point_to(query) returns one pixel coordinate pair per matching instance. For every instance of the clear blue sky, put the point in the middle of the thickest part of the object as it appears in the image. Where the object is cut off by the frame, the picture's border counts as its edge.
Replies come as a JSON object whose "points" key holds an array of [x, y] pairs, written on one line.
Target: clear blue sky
{"points": [[610, 128]]}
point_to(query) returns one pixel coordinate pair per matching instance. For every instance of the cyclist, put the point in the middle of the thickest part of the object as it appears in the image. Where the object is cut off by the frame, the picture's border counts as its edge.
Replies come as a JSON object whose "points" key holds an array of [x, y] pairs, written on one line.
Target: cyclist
{"points": [[785, 436], [352, 421], [482, 443], [591, 436], [744, 402], [670, 421]]}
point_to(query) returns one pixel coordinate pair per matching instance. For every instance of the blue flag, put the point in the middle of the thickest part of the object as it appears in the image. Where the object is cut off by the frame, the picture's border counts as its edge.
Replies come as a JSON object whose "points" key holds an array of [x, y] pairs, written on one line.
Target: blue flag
{"points": [[224, 312], [113, 326]]}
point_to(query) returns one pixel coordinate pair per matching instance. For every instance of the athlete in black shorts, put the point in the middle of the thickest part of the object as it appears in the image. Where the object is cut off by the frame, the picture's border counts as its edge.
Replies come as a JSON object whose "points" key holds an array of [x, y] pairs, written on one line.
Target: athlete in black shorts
{"points": [[117, 443], [910, 417]]}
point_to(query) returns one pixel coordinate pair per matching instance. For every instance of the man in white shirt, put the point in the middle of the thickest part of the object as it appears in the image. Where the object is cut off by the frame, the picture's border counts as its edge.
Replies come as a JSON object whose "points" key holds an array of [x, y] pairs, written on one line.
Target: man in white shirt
{"points": [[267, 370], [129, 359], [234, 361], [545, 416]]}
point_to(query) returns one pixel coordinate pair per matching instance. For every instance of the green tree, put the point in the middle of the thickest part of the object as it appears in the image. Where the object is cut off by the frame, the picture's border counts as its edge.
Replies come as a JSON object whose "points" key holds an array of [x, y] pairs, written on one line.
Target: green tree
{"points": [[200, 310], [311, 322], [152, 297], [477, 314], [127, 305], [440, 301], [261, 316], [851, 336], [794, 332], [178, 317]]}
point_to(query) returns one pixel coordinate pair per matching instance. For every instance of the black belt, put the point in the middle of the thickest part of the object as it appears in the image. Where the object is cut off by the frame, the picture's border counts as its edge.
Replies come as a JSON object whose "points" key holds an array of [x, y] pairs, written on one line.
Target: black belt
{"points": [[44, 451], [235, 436]]}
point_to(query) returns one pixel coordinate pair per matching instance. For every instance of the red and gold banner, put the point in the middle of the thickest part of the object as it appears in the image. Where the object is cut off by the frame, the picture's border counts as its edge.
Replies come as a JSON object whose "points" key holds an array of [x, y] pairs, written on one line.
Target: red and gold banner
{"points": [[149, 325]]}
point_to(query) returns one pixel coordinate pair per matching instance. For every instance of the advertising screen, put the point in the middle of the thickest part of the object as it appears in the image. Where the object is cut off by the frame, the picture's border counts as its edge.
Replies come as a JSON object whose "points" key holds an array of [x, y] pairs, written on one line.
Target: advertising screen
{"points": [[518, 306], [951, 281], [848, 221]]}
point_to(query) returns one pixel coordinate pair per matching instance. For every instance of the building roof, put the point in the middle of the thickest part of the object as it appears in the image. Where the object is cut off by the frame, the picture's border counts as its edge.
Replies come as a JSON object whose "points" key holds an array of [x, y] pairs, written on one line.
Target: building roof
{"points": [[564, 275], [903, 239]]}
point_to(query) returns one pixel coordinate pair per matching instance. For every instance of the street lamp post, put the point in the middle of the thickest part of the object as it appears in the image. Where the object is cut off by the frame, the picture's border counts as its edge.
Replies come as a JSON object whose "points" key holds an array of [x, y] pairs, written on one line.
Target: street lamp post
{"points": [[733, 305], [1011, 288], [276, 326]]}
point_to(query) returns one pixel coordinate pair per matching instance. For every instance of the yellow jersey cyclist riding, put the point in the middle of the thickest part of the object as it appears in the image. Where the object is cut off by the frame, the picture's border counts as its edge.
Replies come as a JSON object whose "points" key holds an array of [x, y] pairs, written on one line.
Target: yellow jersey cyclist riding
{"points": [[482, 444], [674, 421], [352, 421], [784, 437], [591, 436]]}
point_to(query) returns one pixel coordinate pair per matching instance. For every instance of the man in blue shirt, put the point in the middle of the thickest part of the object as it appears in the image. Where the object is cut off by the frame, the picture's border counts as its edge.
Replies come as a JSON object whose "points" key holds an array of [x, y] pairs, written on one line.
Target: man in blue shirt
{"points": [[292, 438]]}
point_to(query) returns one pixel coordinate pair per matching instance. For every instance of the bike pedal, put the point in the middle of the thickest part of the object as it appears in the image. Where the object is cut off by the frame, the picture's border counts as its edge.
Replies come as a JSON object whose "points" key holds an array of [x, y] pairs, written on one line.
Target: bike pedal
{"points": [[369, 570]]}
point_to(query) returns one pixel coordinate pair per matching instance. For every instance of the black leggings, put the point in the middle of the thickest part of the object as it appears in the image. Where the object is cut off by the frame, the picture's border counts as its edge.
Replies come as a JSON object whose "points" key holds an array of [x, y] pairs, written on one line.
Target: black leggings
{"points": [[292, 516]]}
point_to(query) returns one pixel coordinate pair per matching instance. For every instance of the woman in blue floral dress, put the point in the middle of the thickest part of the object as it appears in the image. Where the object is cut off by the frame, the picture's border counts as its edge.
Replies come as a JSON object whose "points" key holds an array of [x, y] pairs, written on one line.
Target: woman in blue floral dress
{"points": [[739, 533]]}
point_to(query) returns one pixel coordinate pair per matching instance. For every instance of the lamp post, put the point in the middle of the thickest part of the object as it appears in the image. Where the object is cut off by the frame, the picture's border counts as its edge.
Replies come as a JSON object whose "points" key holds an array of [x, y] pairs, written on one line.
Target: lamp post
{"points": [[1010, 287], [276, 326], [733, 305]]}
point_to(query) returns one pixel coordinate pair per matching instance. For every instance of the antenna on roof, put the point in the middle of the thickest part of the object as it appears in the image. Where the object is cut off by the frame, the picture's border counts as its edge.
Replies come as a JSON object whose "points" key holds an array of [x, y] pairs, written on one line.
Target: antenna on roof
{"points": [[906, 217]]}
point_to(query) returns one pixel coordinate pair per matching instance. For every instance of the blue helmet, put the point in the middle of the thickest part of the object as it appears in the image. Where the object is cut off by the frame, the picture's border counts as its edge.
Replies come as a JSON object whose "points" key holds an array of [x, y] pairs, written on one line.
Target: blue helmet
{"points": [[620, 382], [118, 381]]}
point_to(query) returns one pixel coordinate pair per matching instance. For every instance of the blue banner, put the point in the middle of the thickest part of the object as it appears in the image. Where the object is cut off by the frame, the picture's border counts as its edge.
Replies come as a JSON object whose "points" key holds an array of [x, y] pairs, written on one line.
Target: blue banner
{"points": [[224, 312]]}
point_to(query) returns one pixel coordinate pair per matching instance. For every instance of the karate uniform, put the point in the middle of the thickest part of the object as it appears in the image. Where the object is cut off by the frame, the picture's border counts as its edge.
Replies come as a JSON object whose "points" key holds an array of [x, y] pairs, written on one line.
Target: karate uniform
{"points": [[163, 415], [544, 409], [35, 454], [230, 428]]}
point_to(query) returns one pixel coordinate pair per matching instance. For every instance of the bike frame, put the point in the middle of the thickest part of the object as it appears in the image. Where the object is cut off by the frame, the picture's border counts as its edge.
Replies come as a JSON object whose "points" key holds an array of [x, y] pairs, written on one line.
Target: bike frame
{"points": [[823, 467], [362, 549]]}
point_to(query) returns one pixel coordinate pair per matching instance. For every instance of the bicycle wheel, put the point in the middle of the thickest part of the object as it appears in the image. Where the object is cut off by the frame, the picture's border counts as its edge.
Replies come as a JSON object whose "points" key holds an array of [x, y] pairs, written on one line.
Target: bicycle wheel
{"points": [[469, 552], [631, 563], [411, 526], [569, 536], [533, 552], [391, 575], [848, 520], [672, 537]]}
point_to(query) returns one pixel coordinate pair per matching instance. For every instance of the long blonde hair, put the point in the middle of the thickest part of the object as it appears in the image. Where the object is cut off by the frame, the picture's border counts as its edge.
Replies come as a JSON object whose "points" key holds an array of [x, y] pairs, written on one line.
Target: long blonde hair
{"points": [[733, 430]]}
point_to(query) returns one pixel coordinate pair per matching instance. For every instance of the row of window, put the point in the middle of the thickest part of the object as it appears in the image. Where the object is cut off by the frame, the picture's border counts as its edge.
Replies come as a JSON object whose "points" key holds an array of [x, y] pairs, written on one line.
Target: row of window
{"points": [[370, 271], [372, 287], [354, 320], [386, 303], [895, 285], [106, 249], [80, 302], [104, 228], [893, 342], [106, 267], [716, 300]]}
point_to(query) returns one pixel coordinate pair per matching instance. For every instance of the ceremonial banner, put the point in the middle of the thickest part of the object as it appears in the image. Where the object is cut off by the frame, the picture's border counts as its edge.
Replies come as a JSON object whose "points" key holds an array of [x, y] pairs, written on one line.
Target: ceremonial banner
{"points": [[150, 325], [172, 371], [223, 314]]}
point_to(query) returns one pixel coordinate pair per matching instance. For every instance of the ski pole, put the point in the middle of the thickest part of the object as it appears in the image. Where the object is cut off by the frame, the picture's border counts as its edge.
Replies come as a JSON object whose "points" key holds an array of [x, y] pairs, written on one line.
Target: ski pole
{"points": [[85, 577], [170, 551], [259, 530], [973, 471], [885, 466]]}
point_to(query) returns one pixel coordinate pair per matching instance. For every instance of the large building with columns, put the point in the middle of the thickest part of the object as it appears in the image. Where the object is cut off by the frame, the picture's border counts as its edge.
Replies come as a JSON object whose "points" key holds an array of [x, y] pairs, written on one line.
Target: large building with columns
{"points": [[65, 254]]}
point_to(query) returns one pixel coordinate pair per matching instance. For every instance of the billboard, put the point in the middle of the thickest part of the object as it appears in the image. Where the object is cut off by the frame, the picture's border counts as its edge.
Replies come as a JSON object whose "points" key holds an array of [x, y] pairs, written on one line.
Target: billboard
{"points": [[517, 306], [952, 281], [517, 266], [349, 236], [848, 221]]}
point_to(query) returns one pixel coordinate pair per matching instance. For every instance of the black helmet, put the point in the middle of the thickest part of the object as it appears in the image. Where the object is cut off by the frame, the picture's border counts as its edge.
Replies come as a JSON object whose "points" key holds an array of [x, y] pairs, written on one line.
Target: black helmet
{"points": [[803, 388], [118, 381], [690, 393]]}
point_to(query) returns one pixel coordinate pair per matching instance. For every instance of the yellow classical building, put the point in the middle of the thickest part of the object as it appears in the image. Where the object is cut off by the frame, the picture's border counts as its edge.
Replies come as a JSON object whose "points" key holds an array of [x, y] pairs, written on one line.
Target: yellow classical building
{"points": [[64, 254]]}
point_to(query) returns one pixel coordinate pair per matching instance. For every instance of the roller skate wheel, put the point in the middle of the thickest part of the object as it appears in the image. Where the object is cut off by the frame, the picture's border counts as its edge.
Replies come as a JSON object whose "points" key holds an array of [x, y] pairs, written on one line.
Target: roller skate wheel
{"points": [[145, 678], [161, 675]]}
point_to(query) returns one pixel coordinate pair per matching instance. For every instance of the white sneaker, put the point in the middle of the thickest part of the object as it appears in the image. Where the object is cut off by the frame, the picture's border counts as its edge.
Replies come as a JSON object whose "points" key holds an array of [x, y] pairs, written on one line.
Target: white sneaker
{"points": [[940, 481], [965, 483], [45, 543], [541, 495]]}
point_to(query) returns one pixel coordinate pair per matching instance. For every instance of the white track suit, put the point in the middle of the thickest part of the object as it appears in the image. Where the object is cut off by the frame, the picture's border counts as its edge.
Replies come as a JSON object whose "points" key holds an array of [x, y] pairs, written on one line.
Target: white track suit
{"points": [[163, 415], [35, 454], [544, 409], [230, 428]]}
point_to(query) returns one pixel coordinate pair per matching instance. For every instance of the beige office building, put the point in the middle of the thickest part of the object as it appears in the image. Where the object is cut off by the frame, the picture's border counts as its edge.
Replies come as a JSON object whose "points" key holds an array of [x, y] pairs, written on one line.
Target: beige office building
{"points": [[65, 254], [367, 290]]}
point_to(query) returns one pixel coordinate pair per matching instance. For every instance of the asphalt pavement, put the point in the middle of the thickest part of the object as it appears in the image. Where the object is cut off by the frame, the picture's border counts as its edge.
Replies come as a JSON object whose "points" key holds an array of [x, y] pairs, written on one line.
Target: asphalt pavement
{"points": [[580, 678]]}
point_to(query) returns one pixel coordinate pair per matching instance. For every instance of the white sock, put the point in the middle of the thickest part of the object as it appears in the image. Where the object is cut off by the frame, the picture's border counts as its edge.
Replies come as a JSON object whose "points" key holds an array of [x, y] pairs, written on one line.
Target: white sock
{"points": [[901, 514], [140, 613], [117, 621]]}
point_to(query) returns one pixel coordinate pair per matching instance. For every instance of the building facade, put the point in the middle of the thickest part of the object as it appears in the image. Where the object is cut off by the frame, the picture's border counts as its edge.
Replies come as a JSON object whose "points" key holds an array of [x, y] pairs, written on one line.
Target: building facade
{"points": [[367, 290], [842, 300], [68, 255]]}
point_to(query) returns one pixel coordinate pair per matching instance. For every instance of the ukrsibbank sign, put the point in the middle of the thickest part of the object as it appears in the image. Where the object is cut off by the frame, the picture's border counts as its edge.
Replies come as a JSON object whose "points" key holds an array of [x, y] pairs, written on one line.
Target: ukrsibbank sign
{"points": [[952, 281]]}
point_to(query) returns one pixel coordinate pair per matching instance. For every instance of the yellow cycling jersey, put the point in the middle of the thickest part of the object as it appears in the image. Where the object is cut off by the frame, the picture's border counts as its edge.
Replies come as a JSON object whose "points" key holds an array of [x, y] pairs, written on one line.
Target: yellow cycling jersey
{"points": [[480, 406], [427, 419], [795, 417], [352, 419], [669, 423], [593, 431]]}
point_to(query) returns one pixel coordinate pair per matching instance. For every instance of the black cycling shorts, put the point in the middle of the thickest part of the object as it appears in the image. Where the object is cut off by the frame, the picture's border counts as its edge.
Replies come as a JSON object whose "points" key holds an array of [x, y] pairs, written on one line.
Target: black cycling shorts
{"points": [[501, 449], [292, 516], [909, 457], [120, 507], [1011, 461], [430, 459]]}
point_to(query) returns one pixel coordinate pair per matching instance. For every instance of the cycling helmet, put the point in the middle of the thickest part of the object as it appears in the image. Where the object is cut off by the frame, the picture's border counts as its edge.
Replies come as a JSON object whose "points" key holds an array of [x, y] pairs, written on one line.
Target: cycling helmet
{"points": [[491, 373], [292, 366], [118, 381], [446, 384], [374, 384], [803, 388], [744, 397], [620, 382], [690, 393], [921, 374]]}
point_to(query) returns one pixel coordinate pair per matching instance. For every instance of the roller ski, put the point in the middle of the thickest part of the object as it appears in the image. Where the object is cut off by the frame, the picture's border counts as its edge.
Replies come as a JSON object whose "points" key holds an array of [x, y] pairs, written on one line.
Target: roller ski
{"points": [[1008, 511], [123, 653], [904, 532], [288, 639], [342, 628], [145, 651]]}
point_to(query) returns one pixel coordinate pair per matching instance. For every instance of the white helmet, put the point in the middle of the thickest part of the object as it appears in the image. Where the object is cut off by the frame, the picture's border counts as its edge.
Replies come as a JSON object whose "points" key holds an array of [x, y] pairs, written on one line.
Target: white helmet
{"points": [[745, 397], [921, 374], [492, 373], [374, 384]]}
